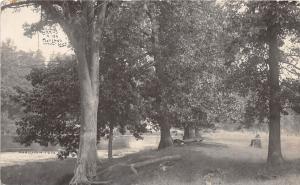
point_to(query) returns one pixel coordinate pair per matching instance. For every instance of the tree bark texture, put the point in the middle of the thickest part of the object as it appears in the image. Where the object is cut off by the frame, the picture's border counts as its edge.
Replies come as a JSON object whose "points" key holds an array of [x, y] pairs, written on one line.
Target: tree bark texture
{"points": [[165, 136], [192, 132], [189, 132], [110, 142], [85, 39], [84, 31], [274, 148], [186, 132], [197, 132]]}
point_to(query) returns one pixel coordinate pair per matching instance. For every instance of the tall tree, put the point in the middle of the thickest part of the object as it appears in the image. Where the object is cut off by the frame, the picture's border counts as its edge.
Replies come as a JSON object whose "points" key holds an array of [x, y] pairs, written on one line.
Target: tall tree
{"points": [[160, 104], [122, 70], [180, 52], [82, 21], [258, 31]]}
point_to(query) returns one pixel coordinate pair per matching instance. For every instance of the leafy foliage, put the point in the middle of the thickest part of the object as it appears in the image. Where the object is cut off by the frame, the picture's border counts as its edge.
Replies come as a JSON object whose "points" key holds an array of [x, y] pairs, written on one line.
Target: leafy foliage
{"points": [[15, 65], [249, 28], [53, 107], [189, 63], [291, 94]]}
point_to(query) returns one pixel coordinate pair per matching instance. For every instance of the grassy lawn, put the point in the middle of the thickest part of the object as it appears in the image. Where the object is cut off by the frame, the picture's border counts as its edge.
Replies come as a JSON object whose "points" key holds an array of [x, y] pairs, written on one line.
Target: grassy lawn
{"points": [[224, 158], [37, 173]]}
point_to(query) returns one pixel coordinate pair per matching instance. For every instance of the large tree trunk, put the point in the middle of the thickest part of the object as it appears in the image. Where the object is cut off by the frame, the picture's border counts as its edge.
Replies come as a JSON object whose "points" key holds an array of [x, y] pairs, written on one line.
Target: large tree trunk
{"points": [[189, 132], [165, 136], [186, 132], [87, 159], [84, 31], [192, 132], [86, 46], [274, 150], [197, 132], [110, 141]]}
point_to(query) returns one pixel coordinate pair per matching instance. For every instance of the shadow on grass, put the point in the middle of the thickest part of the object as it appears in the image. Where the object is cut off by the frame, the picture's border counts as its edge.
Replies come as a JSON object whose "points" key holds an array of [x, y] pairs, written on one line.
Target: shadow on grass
{"points": [[37, 173], [196, 164], [193, 165], [208, 145]]}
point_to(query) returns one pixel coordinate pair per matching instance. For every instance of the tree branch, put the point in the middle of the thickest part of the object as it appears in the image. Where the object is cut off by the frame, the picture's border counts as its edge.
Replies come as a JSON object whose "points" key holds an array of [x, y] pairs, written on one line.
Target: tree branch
{"points": [[290, 64], [293, 72], [291, 90], [20, 4], [292, 55], [100, 20], [140, 70]]}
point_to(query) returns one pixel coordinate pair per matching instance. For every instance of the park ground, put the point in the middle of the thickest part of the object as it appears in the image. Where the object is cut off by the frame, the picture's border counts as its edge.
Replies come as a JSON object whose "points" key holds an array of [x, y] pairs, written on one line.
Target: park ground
{"points": [[223, 158]]}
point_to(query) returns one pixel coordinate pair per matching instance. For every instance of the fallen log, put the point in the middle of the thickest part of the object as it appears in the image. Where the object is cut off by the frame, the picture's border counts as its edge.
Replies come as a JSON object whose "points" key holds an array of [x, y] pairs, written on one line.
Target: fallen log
{"points": [[194, 140], [133, 167], [99, 182], [151, 161]]}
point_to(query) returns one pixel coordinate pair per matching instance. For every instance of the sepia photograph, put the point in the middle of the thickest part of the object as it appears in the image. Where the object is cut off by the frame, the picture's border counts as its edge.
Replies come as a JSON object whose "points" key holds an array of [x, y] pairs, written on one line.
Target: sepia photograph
{"points": [[150, 92]]}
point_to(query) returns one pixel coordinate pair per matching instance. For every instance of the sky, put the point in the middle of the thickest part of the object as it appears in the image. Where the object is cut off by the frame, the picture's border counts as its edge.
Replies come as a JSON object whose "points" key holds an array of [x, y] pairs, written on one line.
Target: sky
{"points": [[12, 28]]}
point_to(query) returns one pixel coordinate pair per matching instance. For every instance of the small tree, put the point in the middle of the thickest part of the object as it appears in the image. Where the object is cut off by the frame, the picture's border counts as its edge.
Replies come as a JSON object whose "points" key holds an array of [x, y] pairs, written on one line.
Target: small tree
{"points": [[52, 107]]}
